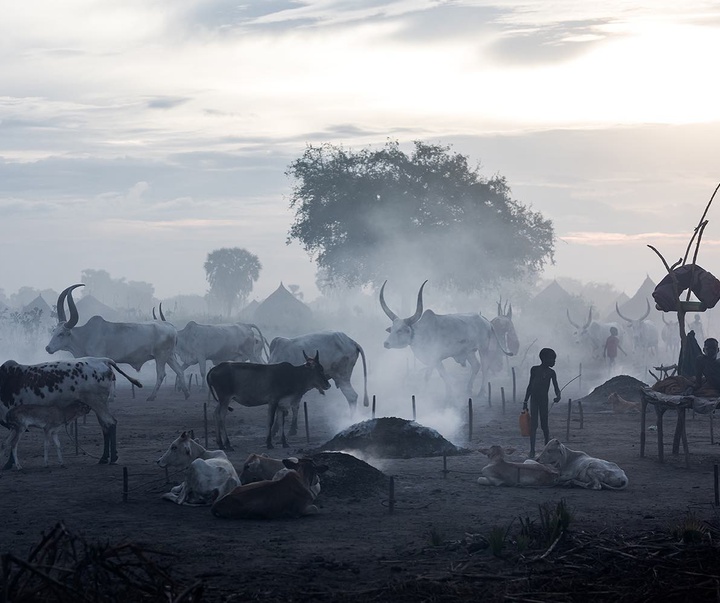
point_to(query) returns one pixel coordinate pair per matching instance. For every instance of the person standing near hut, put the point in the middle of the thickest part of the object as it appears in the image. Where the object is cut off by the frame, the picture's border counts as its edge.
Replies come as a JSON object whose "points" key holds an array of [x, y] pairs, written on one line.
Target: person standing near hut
{"points": [[541, 376]]}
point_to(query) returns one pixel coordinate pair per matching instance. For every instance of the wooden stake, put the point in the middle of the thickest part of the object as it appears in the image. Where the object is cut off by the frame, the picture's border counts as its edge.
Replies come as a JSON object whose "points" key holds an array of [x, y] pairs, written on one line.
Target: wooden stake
{"points": [[470, 420], [373, 407], [76, 439], [307, 424], [717, 490], [205, 423], [579, 404], [391, 498], [125, 484], [489, 395], [502, 397], [413, 405], [514, 382], [567, 431], [445, 469]]}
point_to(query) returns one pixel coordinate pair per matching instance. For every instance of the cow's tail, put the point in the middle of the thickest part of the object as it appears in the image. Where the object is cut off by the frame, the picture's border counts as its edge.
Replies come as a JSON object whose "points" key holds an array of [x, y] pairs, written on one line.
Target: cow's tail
{"points": [[266, 346], [114, 365], [362, 354], [211, 387]]}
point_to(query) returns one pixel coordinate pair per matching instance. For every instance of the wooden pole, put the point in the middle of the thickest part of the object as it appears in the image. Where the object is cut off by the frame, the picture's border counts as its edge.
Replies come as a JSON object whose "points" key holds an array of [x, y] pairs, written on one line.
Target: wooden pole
{"points": [[502, 397], [125, 484], [391, 498], [712, 434], [445, 469], [205, 423], [413, 406], [567, 430], [307, 424], [133, 391], [489, 395], [717, 490], [579, 404], [580, 381], [373, 407], [77, 451], [514, 382], [470, 420]]}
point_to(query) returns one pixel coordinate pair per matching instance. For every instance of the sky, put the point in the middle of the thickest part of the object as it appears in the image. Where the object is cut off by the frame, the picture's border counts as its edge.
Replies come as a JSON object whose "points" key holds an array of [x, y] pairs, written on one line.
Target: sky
{"points": [[136, 137]]}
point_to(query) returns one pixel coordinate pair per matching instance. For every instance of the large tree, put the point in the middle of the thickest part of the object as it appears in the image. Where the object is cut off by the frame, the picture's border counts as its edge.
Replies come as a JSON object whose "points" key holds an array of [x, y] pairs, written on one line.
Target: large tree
{"points": [[231, 272], [382, 213]]}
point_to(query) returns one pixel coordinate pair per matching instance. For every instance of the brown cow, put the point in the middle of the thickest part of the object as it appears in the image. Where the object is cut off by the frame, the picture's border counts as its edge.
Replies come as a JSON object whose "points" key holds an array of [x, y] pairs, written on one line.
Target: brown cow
{"points": [[290, 496]]}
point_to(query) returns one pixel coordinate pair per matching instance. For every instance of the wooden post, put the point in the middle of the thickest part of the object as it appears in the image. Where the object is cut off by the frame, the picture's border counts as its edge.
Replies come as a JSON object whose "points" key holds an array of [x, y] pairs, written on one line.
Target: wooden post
{"points": [[125, 484], [514, 382], [712, 434], [307, 425], [470, 420], [643, 415], [579, 404], [580, 381], [205, 423], [373, 407], [391, 499], [133, 390], [445, 469], [502, 397], [189, 383], [76, 438], [717, 490], [489, 395], [413, 406], [567, 430]]}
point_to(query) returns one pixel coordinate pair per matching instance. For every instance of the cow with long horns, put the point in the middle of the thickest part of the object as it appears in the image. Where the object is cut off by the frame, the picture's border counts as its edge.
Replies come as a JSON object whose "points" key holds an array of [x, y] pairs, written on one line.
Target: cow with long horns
{"points": [[593, 334], [670, 335], [435, 337], [506, 334], [644, 332], [133, 343]]}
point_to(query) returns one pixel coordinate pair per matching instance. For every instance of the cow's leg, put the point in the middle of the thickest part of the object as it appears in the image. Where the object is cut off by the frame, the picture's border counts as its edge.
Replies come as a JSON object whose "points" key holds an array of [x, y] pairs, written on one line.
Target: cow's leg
{"points": [[283, 439], [446, 379], [56, 441], [294, 422], [203, 374], [160, 377], [107, 424], [349, 392], [10, 448], [175, 366], [221, 436], [15, 437], [474, 370], [272, 408]]}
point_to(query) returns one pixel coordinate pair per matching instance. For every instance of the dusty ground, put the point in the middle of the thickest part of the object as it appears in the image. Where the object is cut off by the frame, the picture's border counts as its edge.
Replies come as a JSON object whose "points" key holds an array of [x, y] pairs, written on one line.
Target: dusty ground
{"points": [[354, 545]]}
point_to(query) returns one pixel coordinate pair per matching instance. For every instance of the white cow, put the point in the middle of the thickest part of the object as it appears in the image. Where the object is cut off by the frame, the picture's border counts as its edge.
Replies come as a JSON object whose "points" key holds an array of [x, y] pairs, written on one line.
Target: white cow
{"points": [[133, 343], [644, 332], [500, 472], [48, 418], [577, 468], [208, 473]]}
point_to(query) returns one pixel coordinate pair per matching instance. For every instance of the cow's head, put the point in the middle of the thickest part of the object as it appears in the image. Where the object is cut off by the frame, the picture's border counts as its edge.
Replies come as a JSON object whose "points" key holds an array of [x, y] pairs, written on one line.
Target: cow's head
{"points": [[401, 331], [308, 471], [505, 329], [581, 332], [318, 378], [554, 454], [635, 325], [61, 336], [182, 452]]}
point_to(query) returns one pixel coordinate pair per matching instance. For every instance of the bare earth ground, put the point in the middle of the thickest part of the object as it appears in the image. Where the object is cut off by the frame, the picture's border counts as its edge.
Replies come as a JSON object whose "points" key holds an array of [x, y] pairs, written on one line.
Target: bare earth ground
{"points": [[353, 549]]}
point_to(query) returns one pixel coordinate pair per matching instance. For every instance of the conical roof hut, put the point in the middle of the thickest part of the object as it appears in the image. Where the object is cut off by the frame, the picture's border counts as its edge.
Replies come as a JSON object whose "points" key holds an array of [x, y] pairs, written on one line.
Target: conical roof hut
{"points": [[89, 306], [40, 304], [282, 311]]}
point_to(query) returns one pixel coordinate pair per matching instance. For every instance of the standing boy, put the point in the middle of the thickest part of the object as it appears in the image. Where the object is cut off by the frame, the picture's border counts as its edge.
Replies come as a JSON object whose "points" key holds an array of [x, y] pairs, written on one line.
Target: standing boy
{"points": [[612, 345], [537, 392]]}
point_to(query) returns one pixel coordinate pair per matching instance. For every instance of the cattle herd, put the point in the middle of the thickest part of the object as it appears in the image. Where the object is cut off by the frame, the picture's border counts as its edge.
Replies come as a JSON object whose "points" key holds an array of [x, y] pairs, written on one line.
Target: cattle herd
{"points": [[250, 371]]}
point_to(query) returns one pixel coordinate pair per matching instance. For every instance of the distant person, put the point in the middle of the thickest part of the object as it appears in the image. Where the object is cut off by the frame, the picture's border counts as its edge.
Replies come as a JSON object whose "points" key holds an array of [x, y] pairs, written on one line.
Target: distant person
{"points": [[541, 376], [707, 367], [612, 345], [696, 325]]}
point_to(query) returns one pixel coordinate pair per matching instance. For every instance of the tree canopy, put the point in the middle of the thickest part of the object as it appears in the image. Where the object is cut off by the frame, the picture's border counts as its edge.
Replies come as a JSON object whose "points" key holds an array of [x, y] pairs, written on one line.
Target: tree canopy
{"points": [[383, 214], [231, 272]]}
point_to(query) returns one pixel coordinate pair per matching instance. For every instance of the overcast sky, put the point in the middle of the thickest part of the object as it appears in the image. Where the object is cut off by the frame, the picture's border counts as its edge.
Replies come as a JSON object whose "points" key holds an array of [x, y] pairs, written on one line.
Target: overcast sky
{"points": [[138, 136]]}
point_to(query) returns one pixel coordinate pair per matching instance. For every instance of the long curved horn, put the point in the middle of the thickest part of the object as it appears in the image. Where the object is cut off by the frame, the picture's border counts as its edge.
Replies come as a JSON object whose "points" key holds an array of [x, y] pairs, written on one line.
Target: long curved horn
{"points": [[419, 309], [647, 312], [589, 320], [500, 312], [390, 314], [154, 316], [60, 306], [617, 309], [571, 320], [508, 312], [162, 316], [74, 316]]}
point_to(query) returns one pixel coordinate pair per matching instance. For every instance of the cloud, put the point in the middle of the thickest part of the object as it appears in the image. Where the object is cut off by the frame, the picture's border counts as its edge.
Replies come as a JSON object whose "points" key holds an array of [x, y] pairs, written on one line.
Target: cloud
{"points": [[166, 102]]}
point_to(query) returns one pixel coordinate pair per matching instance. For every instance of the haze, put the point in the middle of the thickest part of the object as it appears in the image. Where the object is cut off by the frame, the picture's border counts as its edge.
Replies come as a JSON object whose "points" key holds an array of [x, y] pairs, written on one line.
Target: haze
{"points": [[136, 138]]}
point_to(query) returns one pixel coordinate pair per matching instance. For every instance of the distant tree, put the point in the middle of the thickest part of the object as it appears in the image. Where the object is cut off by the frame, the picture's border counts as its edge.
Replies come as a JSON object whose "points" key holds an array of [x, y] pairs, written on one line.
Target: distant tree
{"points": [[295, 290], [117, 292], [231, 273], [379, 214]]}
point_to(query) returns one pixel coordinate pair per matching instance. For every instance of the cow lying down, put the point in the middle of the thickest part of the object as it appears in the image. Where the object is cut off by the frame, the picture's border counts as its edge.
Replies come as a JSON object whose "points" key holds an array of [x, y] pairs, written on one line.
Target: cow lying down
{"points": [[208, 473], [289, 495], [580, 469], [499, 472]]}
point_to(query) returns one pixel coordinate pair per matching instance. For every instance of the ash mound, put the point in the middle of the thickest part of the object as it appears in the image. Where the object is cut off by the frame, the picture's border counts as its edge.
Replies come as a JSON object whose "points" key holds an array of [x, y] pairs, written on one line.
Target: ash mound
{"points": [[625, 386], [349, 477], [393, 438]]}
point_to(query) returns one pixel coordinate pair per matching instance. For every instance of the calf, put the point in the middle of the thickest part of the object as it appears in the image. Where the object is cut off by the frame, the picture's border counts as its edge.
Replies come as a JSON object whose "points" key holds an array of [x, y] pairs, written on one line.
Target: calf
{"points": [[277, 385], [259, 467], [291, 495], [208, 473], [48, 418], [577, 468], [62, 383], [500, 472], [620, 405]]}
